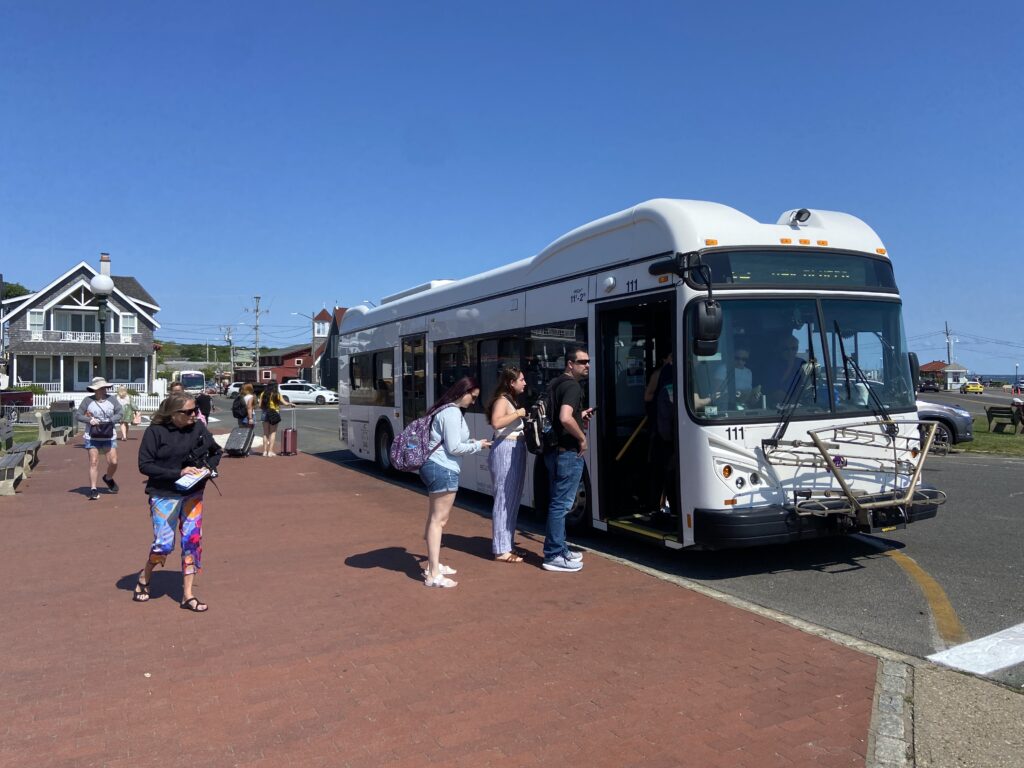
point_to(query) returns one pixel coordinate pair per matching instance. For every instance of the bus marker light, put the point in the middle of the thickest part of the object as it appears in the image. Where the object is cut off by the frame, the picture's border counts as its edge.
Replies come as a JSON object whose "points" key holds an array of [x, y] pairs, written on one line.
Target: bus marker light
{"points": [[663, 279], [804, 241], [786, 240], [689, 520], [727, 471], [730, 502], [823, 242], [880, 251], [710, 241]]}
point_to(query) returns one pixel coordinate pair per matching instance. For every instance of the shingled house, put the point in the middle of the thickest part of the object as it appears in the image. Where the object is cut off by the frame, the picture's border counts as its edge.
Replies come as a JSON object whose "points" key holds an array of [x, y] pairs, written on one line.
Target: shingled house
{"points": [[54, 340]]}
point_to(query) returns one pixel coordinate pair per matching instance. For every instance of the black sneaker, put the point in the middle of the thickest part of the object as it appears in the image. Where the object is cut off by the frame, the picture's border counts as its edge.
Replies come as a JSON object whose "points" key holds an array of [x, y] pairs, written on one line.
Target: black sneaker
{"points": [[111, 484], [93, 494]]}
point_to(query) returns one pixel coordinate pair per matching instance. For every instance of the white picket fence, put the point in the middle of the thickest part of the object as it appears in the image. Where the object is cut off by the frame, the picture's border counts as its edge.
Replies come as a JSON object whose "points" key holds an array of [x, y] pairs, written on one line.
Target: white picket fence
{"points": [[144, 403]]}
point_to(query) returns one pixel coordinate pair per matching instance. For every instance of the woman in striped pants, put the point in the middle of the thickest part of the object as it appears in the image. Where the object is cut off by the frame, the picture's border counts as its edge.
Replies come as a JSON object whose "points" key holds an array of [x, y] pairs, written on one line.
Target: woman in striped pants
{"points": [[507, 461]]}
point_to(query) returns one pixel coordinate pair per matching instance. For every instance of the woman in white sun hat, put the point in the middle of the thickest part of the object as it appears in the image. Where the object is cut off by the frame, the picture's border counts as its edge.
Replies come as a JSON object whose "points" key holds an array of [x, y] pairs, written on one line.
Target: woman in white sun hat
{"points": [[101, 415]]}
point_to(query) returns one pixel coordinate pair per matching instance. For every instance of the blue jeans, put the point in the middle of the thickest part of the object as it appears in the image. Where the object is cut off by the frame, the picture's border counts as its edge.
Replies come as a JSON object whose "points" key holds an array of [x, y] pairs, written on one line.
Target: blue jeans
{"points": [[565, 470]]}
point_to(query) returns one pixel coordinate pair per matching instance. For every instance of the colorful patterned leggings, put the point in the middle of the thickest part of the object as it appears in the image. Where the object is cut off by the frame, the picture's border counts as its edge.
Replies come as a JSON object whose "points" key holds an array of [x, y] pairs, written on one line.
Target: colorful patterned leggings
{"points": [[185, 513]]}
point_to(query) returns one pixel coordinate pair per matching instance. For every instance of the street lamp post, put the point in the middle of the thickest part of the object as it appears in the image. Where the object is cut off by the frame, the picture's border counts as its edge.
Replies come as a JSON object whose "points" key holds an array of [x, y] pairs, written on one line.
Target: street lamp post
{"points": [[102, 286], [312, 347]]}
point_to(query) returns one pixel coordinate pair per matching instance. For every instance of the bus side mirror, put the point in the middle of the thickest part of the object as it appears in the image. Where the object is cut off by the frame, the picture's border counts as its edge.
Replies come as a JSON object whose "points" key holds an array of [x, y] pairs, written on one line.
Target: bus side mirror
{"points": [[709, 328], [915, 370]]}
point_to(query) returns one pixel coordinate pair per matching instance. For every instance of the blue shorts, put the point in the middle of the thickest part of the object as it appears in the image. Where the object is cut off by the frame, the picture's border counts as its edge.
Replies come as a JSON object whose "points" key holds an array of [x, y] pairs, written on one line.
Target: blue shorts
{"points": [[439, 479], [103, 446]]}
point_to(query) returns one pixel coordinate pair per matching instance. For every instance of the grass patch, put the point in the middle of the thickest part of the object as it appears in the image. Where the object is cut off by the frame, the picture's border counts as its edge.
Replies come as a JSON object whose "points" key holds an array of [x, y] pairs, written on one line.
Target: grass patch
{"points": [[984, 441], [26, 433]]}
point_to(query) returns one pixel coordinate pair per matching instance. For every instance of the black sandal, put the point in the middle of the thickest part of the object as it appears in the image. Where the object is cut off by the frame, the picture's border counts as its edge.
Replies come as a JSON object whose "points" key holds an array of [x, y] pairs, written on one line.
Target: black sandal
{"points": [[193, 604], [141, 593]]}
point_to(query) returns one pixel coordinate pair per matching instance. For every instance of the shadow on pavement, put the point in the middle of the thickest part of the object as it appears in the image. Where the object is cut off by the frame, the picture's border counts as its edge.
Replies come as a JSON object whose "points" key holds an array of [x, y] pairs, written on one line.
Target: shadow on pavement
{"points": [[397, 559], [162, 584]]}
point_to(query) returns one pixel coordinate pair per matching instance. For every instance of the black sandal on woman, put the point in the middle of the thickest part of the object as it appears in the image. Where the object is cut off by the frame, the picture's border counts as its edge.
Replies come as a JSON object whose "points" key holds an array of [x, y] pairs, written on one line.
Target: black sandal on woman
{"points": [[141, 593], [193, 604]]}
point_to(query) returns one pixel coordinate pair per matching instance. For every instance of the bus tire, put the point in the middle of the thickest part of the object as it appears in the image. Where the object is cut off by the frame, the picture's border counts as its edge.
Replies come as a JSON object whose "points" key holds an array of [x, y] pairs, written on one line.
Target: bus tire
{"points": [[382, 447], [577, 519]]}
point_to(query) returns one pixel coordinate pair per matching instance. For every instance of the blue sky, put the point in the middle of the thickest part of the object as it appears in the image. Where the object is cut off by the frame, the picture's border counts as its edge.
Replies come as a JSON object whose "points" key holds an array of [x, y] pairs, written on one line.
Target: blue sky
{"points": [[329, 152]]}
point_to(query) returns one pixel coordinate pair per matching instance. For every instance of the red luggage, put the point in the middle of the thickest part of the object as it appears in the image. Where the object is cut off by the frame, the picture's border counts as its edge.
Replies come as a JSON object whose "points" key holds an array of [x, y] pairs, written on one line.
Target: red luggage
{"points": [[290, 438]]}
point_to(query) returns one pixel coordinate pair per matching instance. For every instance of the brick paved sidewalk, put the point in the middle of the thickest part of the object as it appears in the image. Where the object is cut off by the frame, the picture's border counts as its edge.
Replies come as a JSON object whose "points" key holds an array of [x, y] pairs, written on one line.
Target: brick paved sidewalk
{"points": [[322, 648]]}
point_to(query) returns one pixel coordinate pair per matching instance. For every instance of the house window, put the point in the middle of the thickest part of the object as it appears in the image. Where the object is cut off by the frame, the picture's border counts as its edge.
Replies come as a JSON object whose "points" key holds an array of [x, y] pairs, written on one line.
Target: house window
{"points": [[42, 370], [122, 369], [36, 321], [128, 324], [267, 374], [298, 362], [320, 329]]}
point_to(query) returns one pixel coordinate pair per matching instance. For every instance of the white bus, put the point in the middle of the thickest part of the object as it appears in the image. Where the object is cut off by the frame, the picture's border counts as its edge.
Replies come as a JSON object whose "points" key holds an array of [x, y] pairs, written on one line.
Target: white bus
{"points": [[192, 381], [817, 437]]}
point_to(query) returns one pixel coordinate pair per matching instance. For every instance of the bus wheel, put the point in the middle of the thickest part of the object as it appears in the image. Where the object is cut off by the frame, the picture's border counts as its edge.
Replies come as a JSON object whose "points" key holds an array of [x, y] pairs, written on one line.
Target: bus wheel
{"points": [[382, 444], [577, 519]]}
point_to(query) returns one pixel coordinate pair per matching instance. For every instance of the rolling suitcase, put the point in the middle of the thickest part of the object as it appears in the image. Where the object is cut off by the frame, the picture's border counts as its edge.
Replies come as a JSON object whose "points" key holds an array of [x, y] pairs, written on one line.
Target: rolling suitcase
{"points": [[239, 441], [290, 438]]}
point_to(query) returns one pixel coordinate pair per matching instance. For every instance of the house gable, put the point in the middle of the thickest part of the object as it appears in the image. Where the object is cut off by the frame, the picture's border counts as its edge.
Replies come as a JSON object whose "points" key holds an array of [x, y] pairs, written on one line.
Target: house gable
{"points": [[78, 278]]}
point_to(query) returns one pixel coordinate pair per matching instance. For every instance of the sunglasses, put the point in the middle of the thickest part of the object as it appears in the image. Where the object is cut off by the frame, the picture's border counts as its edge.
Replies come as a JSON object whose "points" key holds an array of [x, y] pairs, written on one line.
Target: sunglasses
{"points": [[581, 362], [188, 411]]}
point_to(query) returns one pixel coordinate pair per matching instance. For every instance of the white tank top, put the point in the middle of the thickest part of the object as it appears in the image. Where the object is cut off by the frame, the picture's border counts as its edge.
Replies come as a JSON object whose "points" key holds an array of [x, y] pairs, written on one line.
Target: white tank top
{"points": [[515, 428]]}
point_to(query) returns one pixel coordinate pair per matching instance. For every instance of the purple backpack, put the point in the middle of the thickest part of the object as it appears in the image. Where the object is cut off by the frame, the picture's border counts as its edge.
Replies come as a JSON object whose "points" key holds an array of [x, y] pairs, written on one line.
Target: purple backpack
{"points": [[409, 450]]}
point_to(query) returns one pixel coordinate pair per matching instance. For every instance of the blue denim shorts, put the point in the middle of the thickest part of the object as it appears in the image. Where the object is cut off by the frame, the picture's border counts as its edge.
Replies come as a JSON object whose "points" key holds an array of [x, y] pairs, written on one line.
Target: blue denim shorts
{"points": [[439, 479]]}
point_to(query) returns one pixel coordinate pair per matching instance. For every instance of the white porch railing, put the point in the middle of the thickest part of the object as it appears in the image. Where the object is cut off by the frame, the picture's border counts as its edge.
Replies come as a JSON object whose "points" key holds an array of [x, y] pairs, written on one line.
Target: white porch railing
{"points": [[85, 337], [146, 403]]}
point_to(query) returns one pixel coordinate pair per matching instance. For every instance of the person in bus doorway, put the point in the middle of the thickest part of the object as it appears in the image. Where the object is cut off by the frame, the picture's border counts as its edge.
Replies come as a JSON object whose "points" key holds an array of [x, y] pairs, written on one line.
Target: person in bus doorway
{"points": [[565, 463], [101, 415], [507, 461], [449, 439], [658, 404]]}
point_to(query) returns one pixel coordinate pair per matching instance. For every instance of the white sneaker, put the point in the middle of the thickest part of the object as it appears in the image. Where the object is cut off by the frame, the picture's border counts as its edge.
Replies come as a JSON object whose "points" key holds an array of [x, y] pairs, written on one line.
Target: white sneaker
{"points": [[572, 554], [561, 563]]}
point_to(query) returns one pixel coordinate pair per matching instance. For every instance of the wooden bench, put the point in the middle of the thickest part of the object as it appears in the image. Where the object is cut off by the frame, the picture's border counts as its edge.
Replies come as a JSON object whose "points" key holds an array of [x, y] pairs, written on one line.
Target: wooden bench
{"points": [[1002, 416], [51, 434], [27, 452], [12, 469]]}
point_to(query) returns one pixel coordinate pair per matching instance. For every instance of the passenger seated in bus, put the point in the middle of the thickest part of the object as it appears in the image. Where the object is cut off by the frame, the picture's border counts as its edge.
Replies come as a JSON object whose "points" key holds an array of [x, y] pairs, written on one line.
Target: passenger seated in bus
{"points": [[783, 370]]}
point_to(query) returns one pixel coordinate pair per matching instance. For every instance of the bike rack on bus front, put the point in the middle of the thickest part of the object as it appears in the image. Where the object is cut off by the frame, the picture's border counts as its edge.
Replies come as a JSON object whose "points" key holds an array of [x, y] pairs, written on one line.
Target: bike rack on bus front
{"points": [[853, 448]]}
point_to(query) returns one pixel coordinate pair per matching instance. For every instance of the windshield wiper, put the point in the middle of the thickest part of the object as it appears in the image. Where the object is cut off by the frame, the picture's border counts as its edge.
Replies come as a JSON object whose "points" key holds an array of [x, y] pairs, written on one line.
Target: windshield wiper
{"points": [[878, 407], [789, 404]]}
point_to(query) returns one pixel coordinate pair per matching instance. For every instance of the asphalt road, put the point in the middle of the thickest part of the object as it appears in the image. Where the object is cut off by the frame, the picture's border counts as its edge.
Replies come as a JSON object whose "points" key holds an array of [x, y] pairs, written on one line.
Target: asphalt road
{"points": [[854, 585]]}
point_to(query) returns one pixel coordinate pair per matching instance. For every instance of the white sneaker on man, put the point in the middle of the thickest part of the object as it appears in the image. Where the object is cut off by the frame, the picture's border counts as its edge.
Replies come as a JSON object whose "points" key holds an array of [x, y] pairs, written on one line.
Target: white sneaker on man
{"points": [[572, 554], [562, 563]]}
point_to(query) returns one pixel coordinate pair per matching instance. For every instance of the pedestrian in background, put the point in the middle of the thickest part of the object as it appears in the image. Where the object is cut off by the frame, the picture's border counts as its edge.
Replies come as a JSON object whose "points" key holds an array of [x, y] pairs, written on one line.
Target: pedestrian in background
{"points": [[506, 461], [174, 446], [205, 405], [271, 403], [248, 403], [127, 411], [449, 439], [101, 415]]}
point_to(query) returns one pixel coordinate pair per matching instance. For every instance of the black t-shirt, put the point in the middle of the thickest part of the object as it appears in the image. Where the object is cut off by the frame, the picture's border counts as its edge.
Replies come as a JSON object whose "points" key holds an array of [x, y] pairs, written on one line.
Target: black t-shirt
{"points": [[204, 403], [565, 390]]}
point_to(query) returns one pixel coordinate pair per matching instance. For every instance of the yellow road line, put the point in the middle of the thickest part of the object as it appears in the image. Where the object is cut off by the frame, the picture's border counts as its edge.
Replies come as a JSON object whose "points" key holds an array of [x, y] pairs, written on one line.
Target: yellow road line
{"points": [[947, 624]]}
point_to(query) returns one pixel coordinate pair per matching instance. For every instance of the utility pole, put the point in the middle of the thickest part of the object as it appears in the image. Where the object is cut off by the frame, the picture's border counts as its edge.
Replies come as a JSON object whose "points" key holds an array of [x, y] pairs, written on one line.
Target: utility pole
{"points": [[228, 335], [256, 326], [949, 345]]}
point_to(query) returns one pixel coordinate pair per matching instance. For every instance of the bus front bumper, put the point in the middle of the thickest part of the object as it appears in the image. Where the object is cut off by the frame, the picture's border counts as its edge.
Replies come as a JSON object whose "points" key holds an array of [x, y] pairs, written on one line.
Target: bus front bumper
{"points": [[778, 524]]}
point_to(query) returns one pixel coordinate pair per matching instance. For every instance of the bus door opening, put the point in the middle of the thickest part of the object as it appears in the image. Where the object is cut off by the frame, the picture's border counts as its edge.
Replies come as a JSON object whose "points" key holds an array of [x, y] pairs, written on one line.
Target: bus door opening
{"points": [[635, 429]]}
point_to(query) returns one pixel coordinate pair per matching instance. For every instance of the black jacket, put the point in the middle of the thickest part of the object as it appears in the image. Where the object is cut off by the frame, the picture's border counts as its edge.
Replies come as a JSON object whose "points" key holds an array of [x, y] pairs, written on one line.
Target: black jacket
{"points": [[166, 450]]}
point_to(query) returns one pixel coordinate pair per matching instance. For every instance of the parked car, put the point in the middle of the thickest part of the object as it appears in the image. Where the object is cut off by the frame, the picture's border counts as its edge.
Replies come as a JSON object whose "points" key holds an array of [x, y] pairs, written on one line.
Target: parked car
{"points": [[929, 385], [955, 424], [971, 388], [233, 388], [307, 393]]}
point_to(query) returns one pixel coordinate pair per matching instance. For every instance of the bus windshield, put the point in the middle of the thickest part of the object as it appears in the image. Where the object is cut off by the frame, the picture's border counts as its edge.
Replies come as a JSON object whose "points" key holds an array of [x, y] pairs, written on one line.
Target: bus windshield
{"points": [[819, 356], [193, 381]]}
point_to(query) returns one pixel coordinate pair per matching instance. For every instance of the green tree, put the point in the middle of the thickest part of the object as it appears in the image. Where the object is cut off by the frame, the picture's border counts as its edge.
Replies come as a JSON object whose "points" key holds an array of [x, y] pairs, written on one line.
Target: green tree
{"points": [[12, 290]]}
